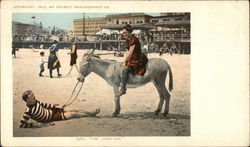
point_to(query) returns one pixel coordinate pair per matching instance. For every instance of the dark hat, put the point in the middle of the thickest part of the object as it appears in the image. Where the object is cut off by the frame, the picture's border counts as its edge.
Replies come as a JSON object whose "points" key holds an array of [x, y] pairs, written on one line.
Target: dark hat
{"points": [[128, 28], [42, 53]]}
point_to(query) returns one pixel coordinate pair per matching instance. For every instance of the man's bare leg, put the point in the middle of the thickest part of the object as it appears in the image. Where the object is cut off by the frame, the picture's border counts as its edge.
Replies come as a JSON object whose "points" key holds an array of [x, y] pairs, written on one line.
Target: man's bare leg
{"points": [[78, 113]]}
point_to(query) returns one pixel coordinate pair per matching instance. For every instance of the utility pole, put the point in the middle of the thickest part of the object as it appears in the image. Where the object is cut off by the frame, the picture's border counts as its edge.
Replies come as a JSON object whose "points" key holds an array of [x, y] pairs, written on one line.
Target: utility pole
{"points": [[83, 24]]}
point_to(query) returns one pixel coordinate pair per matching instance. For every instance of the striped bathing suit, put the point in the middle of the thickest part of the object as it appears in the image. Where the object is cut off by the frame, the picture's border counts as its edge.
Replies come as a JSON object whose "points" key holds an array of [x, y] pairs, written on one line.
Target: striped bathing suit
{"points": [[41, 112]]}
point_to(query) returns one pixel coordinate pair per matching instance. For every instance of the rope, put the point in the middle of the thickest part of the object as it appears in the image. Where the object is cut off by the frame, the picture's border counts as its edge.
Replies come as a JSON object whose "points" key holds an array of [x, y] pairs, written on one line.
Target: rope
{"points": [[68, 102], [71, 94]]}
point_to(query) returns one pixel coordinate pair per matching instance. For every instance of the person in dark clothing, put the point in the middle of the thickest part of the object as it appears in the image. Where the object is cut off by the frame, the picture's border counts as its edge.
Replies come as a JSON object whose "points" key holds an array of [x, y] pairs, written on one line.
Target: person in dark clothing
{"points": [[53, 60], [135, 61], [73, 57], [13, 50]]}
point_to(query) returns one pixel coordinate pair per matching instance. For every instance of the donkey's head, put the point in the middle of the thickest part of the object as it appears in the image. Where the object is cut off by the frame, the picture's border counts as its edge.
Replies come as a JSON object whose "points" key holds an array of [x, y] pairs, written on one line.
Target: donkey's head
{"points": [[85, 67]]}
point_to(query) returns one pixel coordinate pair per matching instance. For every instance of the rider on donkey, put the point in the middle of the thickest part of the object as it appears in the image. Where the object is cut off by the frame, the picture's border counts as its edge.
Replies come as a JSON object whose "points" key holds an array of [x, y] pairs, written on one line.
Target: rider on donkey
{"points": [[135, 61]]}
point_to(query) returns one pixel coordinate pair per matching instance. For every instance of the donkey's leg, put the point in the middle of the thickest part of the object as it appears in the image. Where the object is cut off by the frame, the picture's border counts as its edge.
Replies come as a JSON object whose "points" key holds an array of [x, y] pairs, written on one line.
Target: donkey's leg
{"points": [[164, 91], [166, 96], [117, 101], [158, 110]]}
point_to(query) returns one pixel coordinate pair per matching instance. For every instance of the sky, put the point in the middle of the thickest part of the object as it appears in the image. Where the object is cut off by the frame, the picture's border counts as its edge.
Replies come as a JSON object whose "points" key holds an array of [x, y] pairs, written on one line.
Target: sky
{"points": [[60, 20]]}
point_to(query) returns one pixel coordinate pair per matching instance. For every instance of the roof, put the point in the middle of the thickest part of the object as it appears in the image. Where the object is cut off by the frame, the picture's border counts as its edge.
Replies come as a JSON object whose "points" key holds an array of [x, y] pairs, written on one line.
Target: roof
{"points": [[15, 22], [127, 15], [134, 26]]}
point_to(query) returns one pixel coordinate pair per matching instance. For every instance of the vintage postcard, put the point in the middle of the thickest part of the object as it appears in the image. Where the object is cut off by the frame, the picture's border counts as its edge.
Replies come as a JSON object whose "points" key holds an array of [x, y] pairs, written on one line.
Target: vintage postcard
{"points": [[124, 73]]}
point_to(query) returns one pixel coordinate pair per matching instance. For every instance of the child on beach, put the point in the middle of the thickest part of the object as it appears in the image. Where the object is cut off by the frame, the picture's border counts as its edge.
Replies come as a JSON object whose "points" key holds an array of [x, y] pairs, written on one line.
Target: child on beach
{"points": [[42, 61], [47, 113]]}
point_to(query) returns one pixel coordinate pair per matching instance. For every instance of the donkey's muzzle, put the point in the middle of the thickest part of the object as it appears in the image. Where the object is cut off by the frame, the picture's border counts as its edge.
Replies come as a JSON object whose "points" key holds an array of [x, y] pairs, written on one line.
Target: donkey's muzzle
{"points": [[81, 78]]}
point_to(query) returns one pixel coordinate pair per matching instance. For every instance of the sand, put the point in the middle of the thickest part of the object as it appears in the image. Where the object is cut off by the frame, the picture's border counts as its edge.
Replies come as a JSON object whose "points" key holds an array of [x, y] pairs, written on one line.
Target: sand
{"points": [[137, 106]]}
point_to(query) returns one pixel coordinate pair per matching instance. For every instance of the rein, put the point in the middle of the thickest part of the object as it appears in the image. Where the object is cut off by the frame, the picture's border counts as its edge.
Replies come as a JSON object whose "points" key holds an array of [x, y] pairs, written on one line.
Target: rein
{"points": [[69, 102]]}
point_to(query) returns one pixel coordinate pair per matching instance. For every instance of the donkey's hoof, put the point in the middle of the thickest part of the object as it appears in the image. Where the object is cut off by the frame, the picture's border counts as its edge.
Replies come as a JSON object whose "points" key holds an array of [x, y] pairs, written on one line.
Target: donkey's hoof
{"points": [[165, 115], [156, 113], [115, 114]]}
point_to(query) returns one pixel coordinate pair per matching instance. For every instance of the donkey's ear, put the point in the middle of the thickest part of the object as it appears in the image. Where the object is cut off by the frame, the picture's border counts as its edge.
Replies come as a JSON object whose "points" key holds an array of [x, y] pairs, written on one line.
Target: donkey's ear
{"points": [[92, 52], [87, 53]]}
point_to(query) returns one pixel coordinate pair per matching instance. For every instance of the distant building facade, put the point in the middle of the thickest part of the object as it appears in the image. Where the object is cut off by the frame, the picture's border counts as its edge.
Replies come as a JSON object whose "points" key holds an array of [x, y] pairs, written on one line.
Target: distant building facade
{"points": [[35, 32], [88, 26], [22, 30], [127, 18], [171, 25], [172, 31], [171, 18]]}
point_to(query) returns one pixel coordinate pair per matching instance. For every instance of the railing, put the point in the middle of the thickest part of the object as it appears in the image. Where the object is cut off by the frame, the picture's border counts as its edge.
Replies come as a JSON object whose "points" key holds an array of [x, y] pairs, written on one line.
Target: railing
{"points": [[172, 36]]}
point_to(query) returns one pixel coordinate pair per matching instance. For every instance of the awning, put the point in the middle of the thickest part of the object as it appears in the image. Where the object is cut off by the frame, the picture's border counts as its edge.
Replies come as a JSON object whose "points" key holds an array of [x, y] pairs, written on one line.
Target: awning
{"points": [[107, 31], [136, 32], [173, 23]]}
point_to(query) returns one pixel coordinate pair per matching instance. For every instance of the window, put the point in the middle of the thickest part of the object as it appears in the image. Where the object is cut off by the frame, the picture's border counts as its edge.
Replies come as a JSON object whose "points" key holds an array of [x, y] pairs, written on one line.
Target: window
{"points": [[166, 19], [178, 18], [155, 21]]}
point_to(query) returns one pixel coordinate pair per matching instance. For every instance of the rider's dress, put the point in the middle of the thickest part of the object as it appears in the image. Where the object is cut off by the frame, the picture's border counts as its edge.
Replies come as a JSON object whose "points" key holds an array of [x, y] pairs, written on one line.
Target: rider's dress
{"points": [[138, 61]]}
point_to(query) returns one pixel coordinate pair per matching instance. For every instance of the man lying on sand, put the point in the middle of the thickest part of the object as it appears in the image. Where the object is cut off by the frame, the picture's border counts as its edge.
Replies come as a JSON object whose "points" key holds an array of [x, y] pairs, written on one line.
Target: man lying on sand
{"points": [[46, 113]]}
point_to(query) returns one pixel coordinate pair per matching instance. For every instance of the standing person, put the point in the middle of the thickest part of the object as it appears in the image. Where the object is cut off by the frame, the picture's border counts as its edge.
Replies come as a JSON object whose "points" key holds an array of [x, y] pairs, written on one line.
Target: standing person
{"points": [[13, 50], [73, 57], [145, 50], [42, 61], [41, 46], [47, 113], [161, 51], [53, 60], [135, 61]]}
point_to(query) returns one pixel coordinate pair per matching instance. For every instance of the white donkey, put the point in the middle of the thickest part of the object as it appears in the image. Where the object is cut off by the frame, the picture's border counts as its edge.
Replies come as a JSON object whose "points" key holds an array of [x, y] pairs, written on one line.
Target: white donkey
{"points": [[110, 71]]}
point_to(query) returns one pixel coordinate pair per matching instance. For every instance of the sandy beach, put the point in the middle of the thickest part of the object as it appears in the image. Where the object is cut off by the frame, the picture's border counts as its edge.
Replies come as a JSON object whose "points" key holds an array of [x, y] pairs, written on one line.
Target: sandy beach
{"points": [[137, 106]]}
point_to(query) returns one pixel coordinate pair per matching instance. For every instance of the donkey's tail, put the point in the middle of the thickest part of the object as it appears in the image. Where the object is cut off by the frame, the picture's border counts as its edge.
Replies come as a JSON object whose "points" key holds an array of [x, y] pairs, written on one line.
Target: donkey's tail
{"points": [[171, 84]]}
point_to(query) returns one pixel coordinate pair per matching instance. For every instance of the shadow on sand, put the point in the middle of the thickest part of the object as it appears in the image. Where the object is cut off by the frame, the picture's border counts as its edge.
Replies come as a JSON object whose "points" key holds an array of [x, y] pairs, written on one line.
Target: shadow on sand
{"points": [[147, 115]]}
